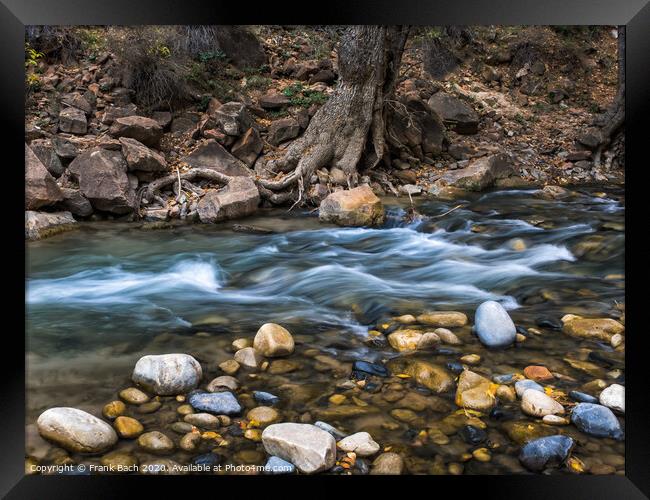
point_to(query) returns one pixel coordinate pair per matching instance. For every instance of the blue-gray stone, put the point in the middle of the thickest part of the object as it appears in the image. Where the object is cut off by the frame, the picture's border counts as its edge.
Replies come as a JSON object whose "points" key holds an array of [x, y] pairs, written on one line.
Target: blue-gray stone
{"points": [[522, 385], [596, 420], [219, 403], [275, 465], [545, 452], [265, 398], [332, 430], [581, 397], [503, 379], [493, 325]]}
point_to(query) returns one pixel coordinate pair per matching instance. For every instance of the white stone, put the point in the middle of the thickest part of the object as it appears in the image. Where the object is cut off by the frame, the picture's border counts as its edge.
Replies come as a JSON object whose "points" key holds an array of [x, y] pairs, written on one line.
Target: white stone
{"points": [[248, 357], [76, 430], [613, 397], [493, 325], [538, 404], [306, 446], [167, 374], [360, 443]]}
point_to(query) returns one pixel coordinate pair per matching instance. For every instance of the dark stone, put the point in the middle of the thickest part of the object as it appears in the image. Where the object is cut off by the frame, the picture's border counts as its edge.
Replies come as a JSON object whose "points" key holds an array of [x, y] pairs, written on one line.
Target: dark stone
{"points": [[76, 203], [472, 435], [455, 113], [41, 189], [44, 150], [274, 100], [207, 459], [210, 154], [455, 367], [283, 130], [265, 398], [242, 47], [551, 323], [545, 452], [361, 369], [140, 128], [498, 413], [581, 397], [596, 420]]}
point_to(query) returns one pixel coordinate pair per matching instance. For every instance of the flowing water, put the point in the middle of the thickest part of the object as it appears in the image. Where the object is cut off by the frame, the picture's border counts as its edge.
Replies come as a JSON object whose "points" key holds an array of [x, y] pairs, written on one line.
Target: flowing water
{"points": [[102, 296]]}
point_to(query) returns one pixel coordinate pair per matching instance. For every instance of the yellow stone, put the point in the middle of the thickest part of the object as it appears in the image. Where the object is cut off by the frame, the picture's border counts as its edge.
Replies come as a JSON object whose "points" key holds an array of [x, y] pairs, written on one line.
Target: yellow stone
{"points": [[185, 410], [445, 319], [230, 367], [475, 392], [128, 427], [482, 455], [114, 409], [337, 399], [471, 359], [253, 435], [404, 340], [599, 328]]}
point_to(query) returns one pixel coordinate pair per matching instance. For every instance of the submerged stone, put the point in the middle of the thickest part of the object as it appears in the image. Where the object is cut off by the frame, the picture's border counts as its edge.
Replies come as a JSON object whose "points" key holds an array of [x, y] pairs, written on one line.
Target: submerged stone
{"points": [[596, 420], [545, 452]]}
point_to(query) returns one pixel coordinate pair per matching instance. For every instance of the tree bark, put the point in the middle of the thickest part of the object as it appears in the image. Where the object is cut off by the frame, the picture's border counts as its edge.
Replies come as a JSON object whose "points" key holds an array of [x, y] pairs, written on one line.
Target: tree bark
{"points": [[348, 131]]}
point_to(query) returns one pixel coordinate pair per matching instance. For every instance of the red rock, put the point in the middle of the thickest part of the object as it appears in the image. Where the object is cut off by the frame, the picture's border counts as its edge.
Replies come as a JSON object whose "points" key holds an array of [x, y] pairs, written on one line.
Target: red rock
{"points": [[538, 373]]}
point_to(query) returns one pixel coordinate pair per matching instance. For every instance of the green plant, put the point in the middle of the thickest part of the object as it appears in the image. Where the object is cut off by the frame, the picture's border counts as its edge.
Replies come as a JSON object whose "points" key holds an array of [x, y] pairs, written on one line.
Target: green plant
{"points": [[293, 89], [211, 55], [300, 96], [258, 82], [32, 56]]}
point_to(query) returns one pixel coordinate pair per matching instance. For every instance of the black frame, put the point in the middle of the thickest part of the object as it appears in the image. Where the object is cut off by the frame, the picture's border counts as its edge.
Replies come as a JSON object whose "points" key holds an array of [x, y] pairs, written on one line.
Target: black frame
{"points": [[635, 14]]}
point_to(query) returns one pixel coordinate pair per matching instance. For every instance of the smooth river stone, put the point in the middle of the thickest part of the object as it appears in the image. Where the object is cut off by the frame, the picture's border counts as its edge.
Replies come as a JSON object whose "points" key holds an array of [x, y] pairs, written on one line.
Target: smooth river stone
{"points": [[493, 325], [613, 397], [306, 446], [538, 404], [522, 386], [76, 430], [167, 374], [219, 403], [545, 452], [273, 340], [596, 420], [360, 443]]}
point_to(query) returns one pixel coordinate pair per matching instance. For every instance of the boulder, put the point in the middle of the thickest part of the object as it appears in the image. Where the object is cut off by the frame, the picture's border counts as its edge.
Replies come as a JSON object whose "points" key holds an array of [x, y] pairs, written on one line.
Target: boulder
{"points": [[73, 121], [145, 130], [417, 124], [273, 340], [493, 325], [481, 174], [455, 113], [140, 157], [76, 430], [218, 403], [306, 446], [41, 190], [238, 199], [540, 453], [46, 152], [233, 118], [274, 100], [78, 101], [76, 203], [241, 47], [64, 148], [40, 225], [248, 147], [283, 130], [112, 113], [103, 180], [354, 207], [475, 392], [210, 154], [360, 443], [167, 374], [593, 329], [596, 420]]}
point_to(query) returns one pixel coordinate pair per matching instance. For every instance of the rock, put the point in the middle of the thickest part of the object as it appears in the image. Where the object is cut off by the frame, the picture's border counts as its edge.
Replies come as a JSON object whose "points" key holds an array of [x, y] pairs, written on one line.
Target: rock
{"points": [[354, 207], [128, 427], [241, 46], [156, 442], [140, 157], [75, 430], [306, 446], [113, 409], [545, 452], [263, 415], [554, 193], [430, 376], [76, 203], [41, 189], [447, 319], [46, 153], [150, 407], [596, 420], [581, 397], [248, 357], [223, 383], [538, 373], [274, 100], [360, 370], [405, 340], [164, 118], [238, 199], [471, 359], [360, 443], [275, 465], [40, 225], [219, 403], [134, 396], [204, 420], [230, 366], [273, 340], [212, 155], [283, 130], [555, 420], [475, 392], [455, 113], [522, 386], [481, 174], [522, 432], [593, 329], [447, 336], [428, 340], [112, 113], [616, 340], [248, 147], [76, 100], [324, 75], [330, 429], [472, 435], [266, 398], [538, 404], [144, 130], [73, 121], [613, 397], [506, 393], [387, 464], [410, 190], [119, 461], [103, 180], [233, 118], [493, 325], [167, 374]]}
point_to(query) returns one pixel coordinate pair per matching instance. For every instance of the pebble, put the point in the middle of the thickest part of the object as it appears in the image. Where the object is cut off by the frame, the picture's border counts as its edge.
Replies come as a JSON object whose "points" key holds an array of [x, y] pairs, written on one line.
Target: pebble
{"points": [[190, 441], [581, 397], [266, 398], [282, 366], [264, 415], [613, 397], [445, 319], [455, 367], [493, 325], [113, 409], [405, 340], [472, 435], [167, 374], [253, 434], [241, 343], [504, 379], [474, 392], [230, 366], [204, 420], [428, 340], [538, 404], [210, 459], [181, 427], [185, 410], [482, 455], [455, 469], [548, 323], [337, 399], [387, 464], [360, 443], [332, 430], [522, 386], [308, 447], [506, 393], [128, 427], [150, 407], [538, 373], [616, 340], [471, 359], [273, 340], [119, 461], [555, 420], [155, 442], [134, 396], [596, 420], [275, 465], [545, 452], [220, 403], [447, 336], [223, 383], [248, 357]]}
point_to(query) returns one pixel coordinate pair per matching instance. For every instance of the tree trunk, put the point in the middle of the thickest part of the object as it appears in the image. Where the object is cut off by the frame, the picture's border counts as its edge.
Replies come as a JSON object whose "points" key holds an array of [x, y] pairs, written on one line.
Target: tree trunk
{"points": [[348, 131]]}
